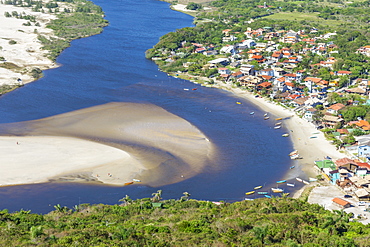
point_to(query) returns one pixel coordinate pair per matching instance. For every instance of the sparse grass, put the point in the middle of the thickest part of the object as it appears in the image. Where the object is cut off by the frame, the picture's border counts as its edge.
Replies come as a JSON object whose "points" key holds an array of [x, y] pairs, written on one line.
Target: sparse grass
{"points": [[297, 16], [10, 66]]}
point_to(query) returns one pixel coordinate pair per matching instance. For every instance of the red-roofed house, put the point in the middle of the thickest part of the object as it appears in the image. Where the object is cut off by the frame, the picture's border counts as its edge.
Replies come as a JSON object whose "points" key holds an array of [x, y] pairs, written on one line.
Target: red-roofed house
{"points": [[224, 71], [346, 163], [341, 203], [343, 72], [264, 85], [333, 109]]}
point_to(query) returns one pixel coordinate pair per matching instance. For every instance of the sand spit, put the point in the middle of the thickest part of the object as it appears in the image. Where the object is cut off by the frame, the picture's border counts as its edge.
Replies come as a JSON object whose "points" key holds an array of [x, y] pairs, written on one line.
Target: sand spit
{"points": [[112, 143]]}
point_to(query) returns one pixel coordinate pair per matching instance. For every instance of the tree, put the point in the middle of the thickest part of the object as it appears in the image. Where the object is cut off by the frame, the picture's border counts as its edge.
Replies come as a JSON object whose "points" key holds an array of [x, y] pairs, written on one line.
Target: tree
{"points": [[126, 200], [185, 197], [194, 6], [157, 196]]}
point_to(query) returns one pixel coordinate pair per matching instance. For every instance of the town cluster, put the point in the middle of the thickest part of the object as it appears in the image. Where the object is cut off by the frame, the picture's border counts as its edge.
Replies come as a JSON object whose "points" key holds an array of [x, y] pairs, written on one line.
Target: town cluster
{"points": [[279, 65]]}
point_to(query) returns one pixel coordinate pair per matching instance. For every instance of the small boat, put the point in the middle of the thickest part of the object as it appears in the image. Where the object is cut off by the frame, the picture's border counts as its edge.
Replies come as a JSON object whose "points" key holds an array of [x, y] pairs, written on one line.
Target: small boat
{"points": [[305, 182], [262, 192], [194, 89], [186, 89], [252, 113], [281, 181], [277, 190], [265, 115], [294, 157], [285, 135], [277, 127], [258, 187], [128, 183], [311, 137], [267, 196], [239, 103], [266, 118], [250, 192], [248, 199], [136, 180], [291, 185], [278, 123], [280, 118], [293, 153], [328, 158], [299, 179], [291, 167], [312, 179]]}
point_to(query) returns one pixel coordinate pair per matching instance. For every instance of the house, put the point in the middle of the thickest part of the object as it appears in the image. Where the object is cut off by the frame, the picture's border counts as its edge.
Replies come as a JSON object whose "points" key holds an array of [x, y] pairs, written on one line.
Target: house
{"points": [[346, 163], [309, 113], [331, 121], [247, 69], [363, 194], [291, 37], [364, 151], [224, 71], [365, 50], [267, 72], [342, 73], [341, 203], [249, 43], [219, 61], [334, 109], [210, 52], [227, 49]]}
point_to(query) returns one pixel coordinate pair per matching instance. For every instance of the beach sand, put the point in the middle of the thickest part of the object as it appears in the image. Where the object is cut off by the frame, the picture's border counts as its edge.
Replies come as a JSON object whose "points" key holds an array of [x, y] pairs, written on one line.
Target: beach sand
{"points": [[26, 53], [112, 143], [300, 132]]}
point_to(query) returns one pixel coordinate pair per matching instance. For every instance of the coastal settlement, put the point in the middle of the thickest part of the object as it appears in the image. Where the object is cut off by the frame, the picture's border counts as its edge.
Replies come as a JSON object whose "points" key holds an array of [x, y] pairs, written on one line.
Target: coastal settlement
{"points": [[302, 70]]}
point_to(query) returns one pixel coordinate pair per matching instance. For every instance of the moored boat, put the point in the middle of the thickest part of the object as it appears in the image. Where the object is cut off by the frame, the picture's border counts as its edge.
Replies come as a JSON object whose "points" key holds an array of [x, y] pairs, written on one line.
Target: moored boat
{"points": [[277, 190], [251, 113], [281, 181], [294, 157], [258, 187], [262, 192], [280, 118], [312, 179], [305, 182], [277, 127], [299, 179], [265, 115], [239, 103], [285, 135], [136, 180], [278, 123], [250, 192], [128, 183], [292, 167], [267, 196], [291, 185], [293, 153], [266, 118]]}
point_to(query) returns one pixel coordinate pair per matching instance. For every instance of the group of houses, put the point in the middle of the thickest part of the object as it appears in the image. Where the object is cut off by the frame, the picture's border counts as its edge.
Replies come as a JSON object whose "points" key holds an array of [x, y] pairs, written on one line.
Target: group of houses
{"points": [[351, 175], [260, 63], [278, 77]]}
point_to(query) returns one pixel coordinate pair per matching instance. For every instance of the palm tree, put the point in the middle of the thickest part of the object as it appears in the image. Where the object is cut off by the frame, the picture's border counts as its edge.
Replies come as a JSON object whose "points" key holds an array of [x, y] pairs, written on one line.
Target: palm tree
{"points": [[157, 196], [126, 200], [185, 197]]}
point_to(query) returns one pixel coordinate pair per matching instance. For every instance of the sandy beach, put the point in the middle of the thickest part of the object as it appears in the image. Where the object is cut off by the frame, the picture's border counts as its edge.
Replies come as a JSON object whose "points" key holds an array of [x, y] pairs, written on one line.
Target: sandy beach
{"points": [[26, 53], [300, 132], [112, 143]]}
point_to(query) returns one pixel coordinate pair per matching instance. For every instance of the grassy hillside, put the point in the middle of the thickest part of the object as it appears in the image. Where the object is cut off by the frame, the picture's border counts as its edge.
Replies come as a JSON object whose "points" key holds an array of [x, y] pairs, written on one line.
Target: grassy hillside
{"points": [[263, 222]]}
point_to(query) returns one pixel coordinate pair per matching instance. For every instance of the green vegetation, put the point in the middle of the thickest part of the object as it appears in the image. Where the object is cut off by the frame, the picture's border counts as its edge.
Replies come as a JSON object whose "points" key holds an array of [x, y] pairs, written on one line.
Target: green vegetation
{"points": [[8, 88], [184, 222]]}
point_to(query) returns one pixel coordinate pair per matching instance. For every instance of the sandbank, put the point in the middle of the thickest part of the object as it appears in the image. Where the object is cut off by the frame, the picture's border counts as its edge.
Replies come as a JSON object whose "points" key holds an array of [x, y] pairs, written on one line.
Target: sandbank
{"points": [[26, 53], [112, 143]]}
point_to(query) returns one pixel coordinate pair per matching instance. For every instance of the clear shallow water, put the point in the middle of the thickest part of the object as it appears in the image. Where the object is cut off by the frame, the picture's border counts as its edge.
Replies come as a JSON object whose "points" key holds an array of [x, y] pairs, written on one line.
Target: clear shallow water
{"points": [[112, 67]]}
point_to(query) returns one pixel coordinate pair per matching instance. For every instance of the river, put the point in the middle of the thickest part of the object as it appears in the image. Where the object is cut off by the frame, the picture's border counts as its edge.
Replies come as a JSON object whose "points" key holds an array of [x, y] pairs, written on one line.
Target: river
{"points": [[111, 67]]}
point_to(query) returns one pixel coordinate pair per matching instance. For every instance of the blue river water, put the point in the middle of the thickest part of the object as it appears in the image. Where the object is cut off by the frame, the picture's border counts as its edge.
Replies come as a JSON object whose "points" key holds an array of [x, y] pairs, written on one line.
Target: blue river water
{"points": [[111, 67]]}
